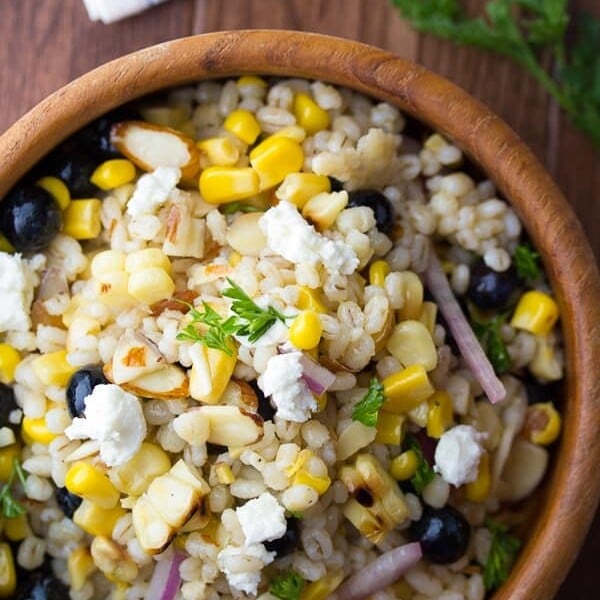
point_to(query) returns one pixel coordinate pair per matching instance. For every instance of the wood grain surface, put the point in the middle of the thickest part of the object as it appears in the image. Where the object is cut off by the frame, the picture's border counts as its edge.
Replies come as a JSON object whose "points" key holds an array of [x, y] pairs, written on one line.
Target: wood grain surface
{"points": [[46, 43]]}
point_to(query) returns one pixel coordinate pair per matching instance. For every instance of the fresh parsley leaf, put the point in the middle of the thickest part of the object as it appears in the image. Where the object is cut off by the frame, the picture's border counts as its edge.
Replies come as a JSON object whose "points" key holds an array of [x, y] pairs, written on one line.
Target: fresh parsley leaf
{"points": [[11, 507], [503, 553], [527, 262], [287, 586], [492, 343], [424, 474], [233, 207], [367, 410]]}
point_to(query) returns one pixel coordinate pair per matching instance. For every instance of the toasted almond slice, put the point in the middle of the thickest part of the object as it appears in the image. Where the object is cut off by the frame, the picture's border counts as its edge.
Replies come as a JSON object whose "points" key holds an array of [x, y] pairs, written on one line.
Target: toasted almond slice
{"points": [[241, 394], [135, 355], [232, 426], [150, 146], [193, 427], [165, 384], [523, 471]]}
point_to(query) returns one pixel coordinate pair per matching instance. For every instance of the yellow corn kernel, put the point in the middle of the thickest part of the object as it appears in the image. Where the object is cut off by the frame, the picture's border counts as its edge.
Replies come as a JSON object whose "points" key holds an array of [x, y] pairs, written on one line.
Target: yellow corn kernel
{"points": [[8, 574], [234, 259], [309, 299], [321, 401], [536, 312], [251, 80], [80, 566], [150, 285], [377, 272], [545, 363], [404, 466], [95, 520], [81, 219], [402, 590], [36, 430], [274, 159], [224, 473], [309, 115], [120, 591], [5, 245], [16, 529], [389, 428], [406, 389], [113, 292], [57, 189], [53, 368], [412, 344], [440, 414], [8, 455], [108, 261], [219, 185], [89, 482], [167, 116], [113, 173], [243, 123], [299, 188], [428, 316], [542, 423], [323, 209], [412, 290], [9, 359], [294, 132], [301, 460], [324, 587], [147, 258], [305, 330], [319, 484], [219, 151], [478, 490], [435, 142]]}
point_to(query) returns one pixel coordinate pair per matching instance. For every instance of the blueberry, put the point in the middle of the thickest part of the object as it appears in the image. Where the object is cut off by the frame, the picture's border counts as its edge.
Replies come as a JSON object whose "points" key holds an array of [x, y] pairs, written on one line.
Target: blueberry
{"points": [[443, 533], [382, 209], [29, 218], [7, 405], [67, 501], [287, 543], [40, 585], [265, 410], [493, 290], [80, 386], [74, 166]]}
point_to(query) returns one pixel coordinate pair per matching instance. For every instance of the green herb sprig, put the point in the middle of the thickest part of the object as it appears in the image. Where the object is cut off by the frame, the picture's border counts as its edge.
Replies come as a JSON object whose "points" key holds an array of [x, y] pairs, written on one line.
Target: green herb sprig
{"points": [[11, 507], [424, 474], [489, 336], [367, 410], [503, 553], [527, 262], [529, 32], [287, 586]]}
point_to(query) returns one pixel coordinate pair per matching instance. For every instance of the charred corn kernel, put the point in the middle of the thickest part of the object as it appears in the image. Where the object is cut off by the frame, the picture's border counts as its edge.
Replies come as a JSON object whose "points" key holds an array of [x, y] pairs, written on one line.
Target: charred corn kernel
{"points": [[411, 344], [274, 159], [377, 272], [251, 80], [16, 529], [406, 389], [321, 589], [428, 316], [299, 188], [150, 285], [412, 291], [219, 185], [404, 466], [147, 258], [323, 209], [224, 473], [294, 132], [89, 482], [536, 312], [95, 520], [107, 261], [57, 189], [545, 363], [234, 258], [309, 299], [219, 151], [5, 245], [319, 484], [542, 423], [8, 455], [478, 490], [389, 428], [243, 124], [440, 414], [8, 574], [80, 566], [53, 368], [305, 330], [9, 359], [309, 115], [36, 430], [81, 219], [113, 173]]}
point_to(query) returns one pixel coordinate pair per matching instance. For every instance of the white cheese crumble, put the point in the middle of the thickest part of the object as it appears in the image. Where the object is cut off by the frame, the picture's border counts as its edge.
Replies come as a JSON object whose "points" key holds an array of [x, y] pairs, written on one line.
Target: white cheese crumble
{"points": [[153, 190], [458, 453], [114, 418], [17, 282], [290, 236], [243, 565], [262, 519], [290, 394]]}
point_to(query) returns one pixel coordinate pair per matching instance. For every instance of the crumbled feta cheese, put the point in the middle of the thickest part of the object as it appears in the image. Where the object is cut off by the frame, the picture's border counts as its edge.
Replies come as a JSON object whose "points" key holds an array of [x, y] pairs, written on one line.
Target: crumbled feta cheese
{"points": [[290, 236], [113, 417], [243, 565], [153, 190], [458, 453], [17, 282], [282, 380], [262, 519]]}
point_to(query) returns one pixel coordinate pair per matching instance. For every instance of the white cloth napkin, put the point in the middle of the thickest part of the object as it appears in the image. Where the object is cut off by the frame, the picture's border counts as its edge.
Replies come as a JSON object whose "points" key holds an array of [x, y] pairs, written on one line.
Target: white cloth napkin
{"points": [[109, 11]]}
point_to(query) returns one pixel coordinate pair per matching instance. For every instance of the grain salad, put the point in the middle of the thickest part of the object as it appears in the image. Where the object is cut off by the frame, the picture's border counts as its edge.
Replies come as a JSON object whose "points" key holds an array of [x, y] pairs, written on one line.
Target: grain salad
{"points": [[268, 338]]}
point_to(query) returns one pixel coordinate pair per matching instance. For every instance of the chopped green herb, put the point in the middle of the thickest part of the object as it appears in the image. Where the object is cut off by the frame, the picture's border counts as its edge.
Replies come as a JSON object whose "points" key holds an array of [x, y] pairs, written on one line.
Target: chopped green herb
{"points": [[233, 207], [424, 474], [367, 410], [11, 507], [503, 552], [527, 262], [287, 586], [490, 338], [296, 515]]}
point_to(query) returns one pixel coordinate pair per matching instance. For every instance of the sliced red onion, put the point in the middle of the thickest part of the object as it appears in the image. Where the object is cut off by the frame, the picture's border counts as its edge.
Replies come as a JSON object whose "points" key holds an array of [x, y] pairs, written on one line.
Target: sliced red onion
{"points": [[316, 377], [166, 580], [467, 342], [380, 573], [53, 282], [428, 445]]}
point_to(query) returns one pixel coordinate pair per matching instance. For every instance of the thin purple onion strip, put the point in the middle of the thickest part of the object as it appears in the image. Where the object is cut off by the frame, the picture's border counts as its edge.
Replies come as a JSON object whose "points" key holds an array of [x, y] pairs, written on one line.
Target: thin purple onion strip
{"points": [[166, 580], [380, 573], [317, 378], [467, 342]]}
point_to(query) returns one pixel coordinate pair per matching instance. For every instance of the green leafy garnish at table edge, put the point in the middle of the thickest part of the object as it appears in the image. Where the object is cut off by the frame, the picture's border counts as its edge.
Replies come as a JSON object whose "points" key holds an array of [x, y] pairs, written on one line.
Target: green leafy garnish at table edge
{"points": [[503, 553], [527, 262], [533, 34], [489, 335], [367, 410], [287, 586], [11, 507], [249, 320], [424, 474]]}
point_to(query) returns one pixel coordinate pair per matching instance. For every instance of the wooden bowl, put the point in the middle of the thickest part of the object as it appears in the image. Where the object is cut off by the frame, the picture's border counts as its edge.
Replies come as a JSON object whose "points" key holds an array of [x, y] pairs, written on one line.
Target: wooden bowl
{"points": [[572, 491]]}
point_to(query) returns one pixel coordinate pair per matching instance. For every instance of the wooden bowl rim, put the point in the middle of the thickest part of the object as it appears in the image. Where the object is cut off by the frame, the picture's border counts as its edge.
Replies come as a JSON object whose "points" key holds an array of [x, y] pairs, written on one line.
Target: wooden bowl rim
{"points": [[572, 492]]}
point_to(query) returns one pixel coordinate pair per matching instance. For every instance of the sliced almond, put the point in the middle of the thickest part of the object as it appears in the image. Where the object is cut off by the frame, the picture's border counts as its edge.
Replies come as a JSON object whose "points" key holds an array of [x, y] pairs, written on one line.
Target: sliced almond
{"points": [[185, 235], [232, 426], [192, 426], [245, 236], [241, 394], [168, 383], [135, 355], [523, 471], [150, 146], [178, 302]]}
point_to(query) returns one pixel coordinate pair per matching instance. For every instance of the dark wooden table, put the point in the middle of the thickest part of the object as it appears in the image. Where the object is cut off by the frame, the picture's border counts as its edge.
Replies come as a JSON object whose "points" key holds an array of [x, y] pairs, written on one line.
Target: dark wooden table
{"points": [[46, 43]]}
